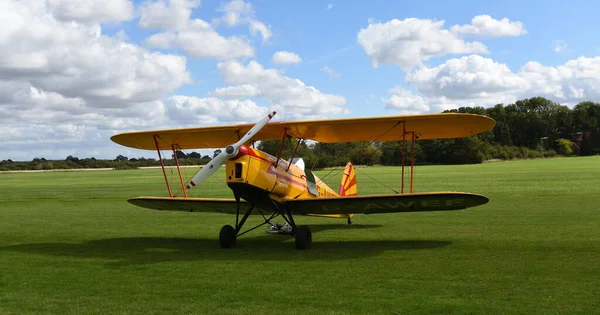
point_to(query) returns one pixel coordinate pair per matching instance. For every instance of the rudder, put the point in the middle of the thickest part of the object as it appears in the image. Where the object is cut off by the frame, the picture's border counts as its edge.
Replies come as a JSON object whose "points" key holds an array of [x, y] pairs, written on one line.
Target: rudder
{"points": [[348, 184]]}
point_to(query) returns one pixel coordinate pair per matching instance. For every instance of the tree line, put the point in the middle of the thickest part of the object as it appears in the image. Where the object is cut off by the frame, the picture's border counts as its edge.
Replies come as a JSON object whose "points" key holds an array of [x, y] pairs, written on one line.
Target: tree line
{"points": [[120, 162], [529, 128]]}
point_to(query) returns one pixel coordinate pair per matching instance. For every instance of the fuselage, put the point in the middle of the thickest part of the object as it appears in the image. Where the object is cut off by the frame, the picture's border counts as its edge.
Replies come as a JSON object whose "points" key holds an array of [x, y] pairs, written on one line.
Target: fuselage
{"points": [[261, 178]]}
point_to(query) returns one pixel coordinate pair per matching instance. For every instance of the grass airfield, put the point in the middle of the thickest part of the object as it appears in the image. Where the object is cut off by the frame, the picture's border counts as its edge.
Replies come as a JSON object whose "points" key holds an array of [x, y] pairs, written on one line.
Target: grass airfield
{"points": [[70, 243]]}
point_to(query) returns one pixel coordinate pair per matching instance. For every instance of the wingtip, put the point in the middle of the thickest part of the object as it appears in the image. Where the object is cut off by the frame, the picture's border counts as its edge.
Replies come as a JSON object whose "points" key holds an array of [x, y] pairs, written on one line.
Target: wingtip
{"points": [[272, 114]]}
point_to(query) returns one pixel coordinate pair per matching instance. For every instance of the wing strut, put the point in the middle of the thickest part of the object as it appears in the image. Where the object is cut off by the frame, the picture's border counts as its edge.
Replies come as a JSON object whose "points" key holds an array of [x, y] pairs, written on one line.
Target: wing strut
{"points": [[412, 156], [162, 165], [179, 171], [412, 161], [403, 152], [281, 146], [293, 154]]}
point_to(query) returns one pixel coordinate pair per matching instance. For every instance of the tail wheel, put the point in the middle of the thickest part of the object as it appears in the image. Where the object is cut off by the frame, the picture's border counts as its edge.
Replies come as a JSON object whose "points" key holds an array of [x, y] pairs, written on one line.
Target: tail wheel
{"points": [[303, 237], [227, 236]]}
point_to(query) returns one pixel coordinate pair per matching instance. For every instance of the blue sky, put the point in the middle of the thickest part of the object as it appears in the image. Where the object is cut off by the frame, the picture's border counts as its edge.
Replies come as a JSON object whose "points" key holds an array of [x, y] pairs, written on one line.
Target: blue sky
{"points": [[85, 70], [325, 36]]}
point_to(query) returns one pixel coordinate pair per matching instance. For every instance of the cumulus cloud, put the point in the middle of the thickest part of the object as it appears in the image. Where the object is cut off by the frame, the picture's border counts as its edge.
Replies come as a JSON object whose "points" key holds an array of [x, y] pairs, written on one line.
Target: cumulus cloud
{"points": [[285, 57], [486, 26], [212, 110], [411, 41], [90, 11], [477, 81], [237, 12], [77, 60], [198, 31], [257, 27], [470, 76], [291, 96], [186, 34], [171, 15], [405, 102], [67, 85]]}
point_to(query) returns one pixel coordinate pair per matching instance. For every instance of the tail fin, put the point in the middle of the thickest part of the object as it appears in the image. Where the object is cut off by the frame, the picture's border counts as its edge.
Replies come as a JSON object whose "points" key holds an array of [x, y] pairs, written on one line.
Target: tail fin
{"points": [[348, 185]]}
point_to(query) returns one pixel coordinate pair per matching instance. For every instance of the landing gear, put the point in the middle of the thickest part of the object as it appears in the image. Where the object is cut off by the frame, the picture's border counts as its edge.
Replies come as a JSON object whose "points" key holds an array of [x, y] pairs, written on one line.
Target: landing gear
{"points": [[227, 236], [349, 221], [303, 237]]}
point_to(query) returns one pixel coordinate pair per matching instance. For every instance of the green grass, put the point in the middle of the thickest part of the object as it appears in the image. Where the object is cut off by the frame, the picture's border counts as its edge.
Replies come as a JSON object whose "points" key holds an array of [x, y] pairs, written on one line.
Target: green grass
{"points": [[69, 243]]}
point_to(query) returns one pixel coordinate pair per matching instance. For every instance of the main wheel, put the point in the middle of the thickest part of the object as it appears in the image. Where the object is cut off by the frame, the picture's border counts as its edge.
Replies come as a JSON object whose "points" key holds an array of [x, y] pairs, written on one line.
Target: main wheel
{"points": [[227, 236], [303, 237]]}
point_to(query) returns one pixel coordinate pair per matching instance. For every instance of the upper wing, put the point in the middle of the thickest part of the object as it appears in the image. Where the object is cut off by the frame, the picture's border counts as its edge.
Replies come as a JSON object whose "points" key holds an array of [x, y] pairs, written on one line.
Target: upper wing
{"points": [[188, 204], [391, 128], [438, 201]]}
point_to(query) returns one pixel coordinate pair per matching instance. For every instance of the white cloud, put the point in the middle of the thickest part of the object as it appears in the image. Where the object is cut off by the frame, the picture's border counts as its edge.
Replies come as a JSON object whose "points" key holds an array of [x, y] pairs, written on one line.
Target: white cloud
{"points": [[466, 77], [198, 31], [559, 45], [67, 86], [260, 27], [76, 60], [239, 91], [91, 11], [331, 73], [486, 26], [329, 7], [237, 12], [211, 110], [290, 96], [195, 37], [286, 57], [405, 102], [479, 81], [171, 15], [411, 41], [234, 11], [575, 81]]}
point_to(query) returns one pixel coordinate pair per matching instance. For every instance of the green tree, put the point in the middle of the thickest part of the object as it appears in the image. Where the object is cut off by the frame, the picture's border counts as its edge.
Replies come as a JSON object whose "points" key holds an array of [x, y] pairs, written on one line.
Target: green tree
{"points": [[564, 147]]}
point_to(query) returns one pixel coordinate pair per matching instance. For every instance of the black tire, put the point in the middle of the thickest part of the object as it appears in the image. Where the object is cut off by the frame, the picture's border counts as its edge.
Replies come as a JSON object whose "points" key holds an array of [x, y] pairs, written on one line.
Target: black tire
{"points": [[303, 237], [227, 237]]}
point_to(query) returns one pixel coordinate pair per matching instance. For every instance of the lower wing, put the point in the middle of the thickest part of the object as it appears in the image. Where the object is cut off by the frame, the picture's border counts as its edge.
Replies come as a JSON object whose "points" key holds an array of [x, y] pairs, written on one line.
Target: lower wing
{"points": [[441, 201], [188, 204], [437, 201]]}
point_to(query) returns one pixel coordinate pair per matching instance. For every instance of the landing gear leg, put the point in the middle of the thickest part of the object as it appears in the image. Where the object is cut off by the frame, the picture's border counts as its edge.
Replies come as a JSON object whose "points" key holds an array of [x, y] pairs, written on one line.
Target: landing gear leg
{"points": [[349, 220], [302, 233], [228, 234]]}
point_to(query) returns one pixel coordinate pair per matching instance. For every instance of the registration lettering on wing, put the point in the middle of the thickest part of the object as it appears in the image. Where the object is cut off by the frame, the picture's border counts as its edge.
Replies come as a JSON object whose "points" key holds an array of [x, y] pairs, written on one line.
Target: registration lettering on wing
{"points": [[394, 205]]}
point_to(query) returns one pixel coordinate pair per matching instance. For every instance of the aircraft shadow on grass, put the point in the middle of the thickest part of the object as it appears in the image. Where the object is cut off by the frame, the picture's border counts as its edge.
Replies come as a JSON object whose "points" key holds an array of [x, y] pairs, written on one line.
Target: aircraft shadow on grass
{"points": [[150, 250]]}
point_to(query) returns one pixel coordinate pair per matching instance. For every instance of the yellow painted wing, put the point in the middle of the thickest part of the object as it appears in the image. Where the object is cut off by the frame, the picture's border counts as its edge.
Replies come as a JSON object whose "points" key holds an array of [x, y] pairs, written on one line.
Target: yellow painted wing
{"points": [[390, 128], [371, 204], [190, 204], [368, 204]]}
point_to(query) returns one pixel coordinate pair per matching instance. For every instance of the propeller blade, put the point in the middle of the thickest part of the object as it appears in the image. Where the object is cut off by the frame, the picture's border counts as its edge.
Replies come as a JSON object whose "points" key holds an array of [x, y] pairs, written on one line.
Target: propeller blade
{"points": [[248, 136], [208, 169], [229, 152]]}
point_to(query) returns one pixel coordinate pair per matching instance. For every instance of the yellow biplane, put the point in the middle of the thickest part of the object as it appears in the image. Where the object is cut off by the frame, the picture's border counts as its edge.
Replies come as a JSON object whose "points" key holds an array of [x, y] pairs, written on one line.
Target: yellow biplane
{"points": [[271, 186]]}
